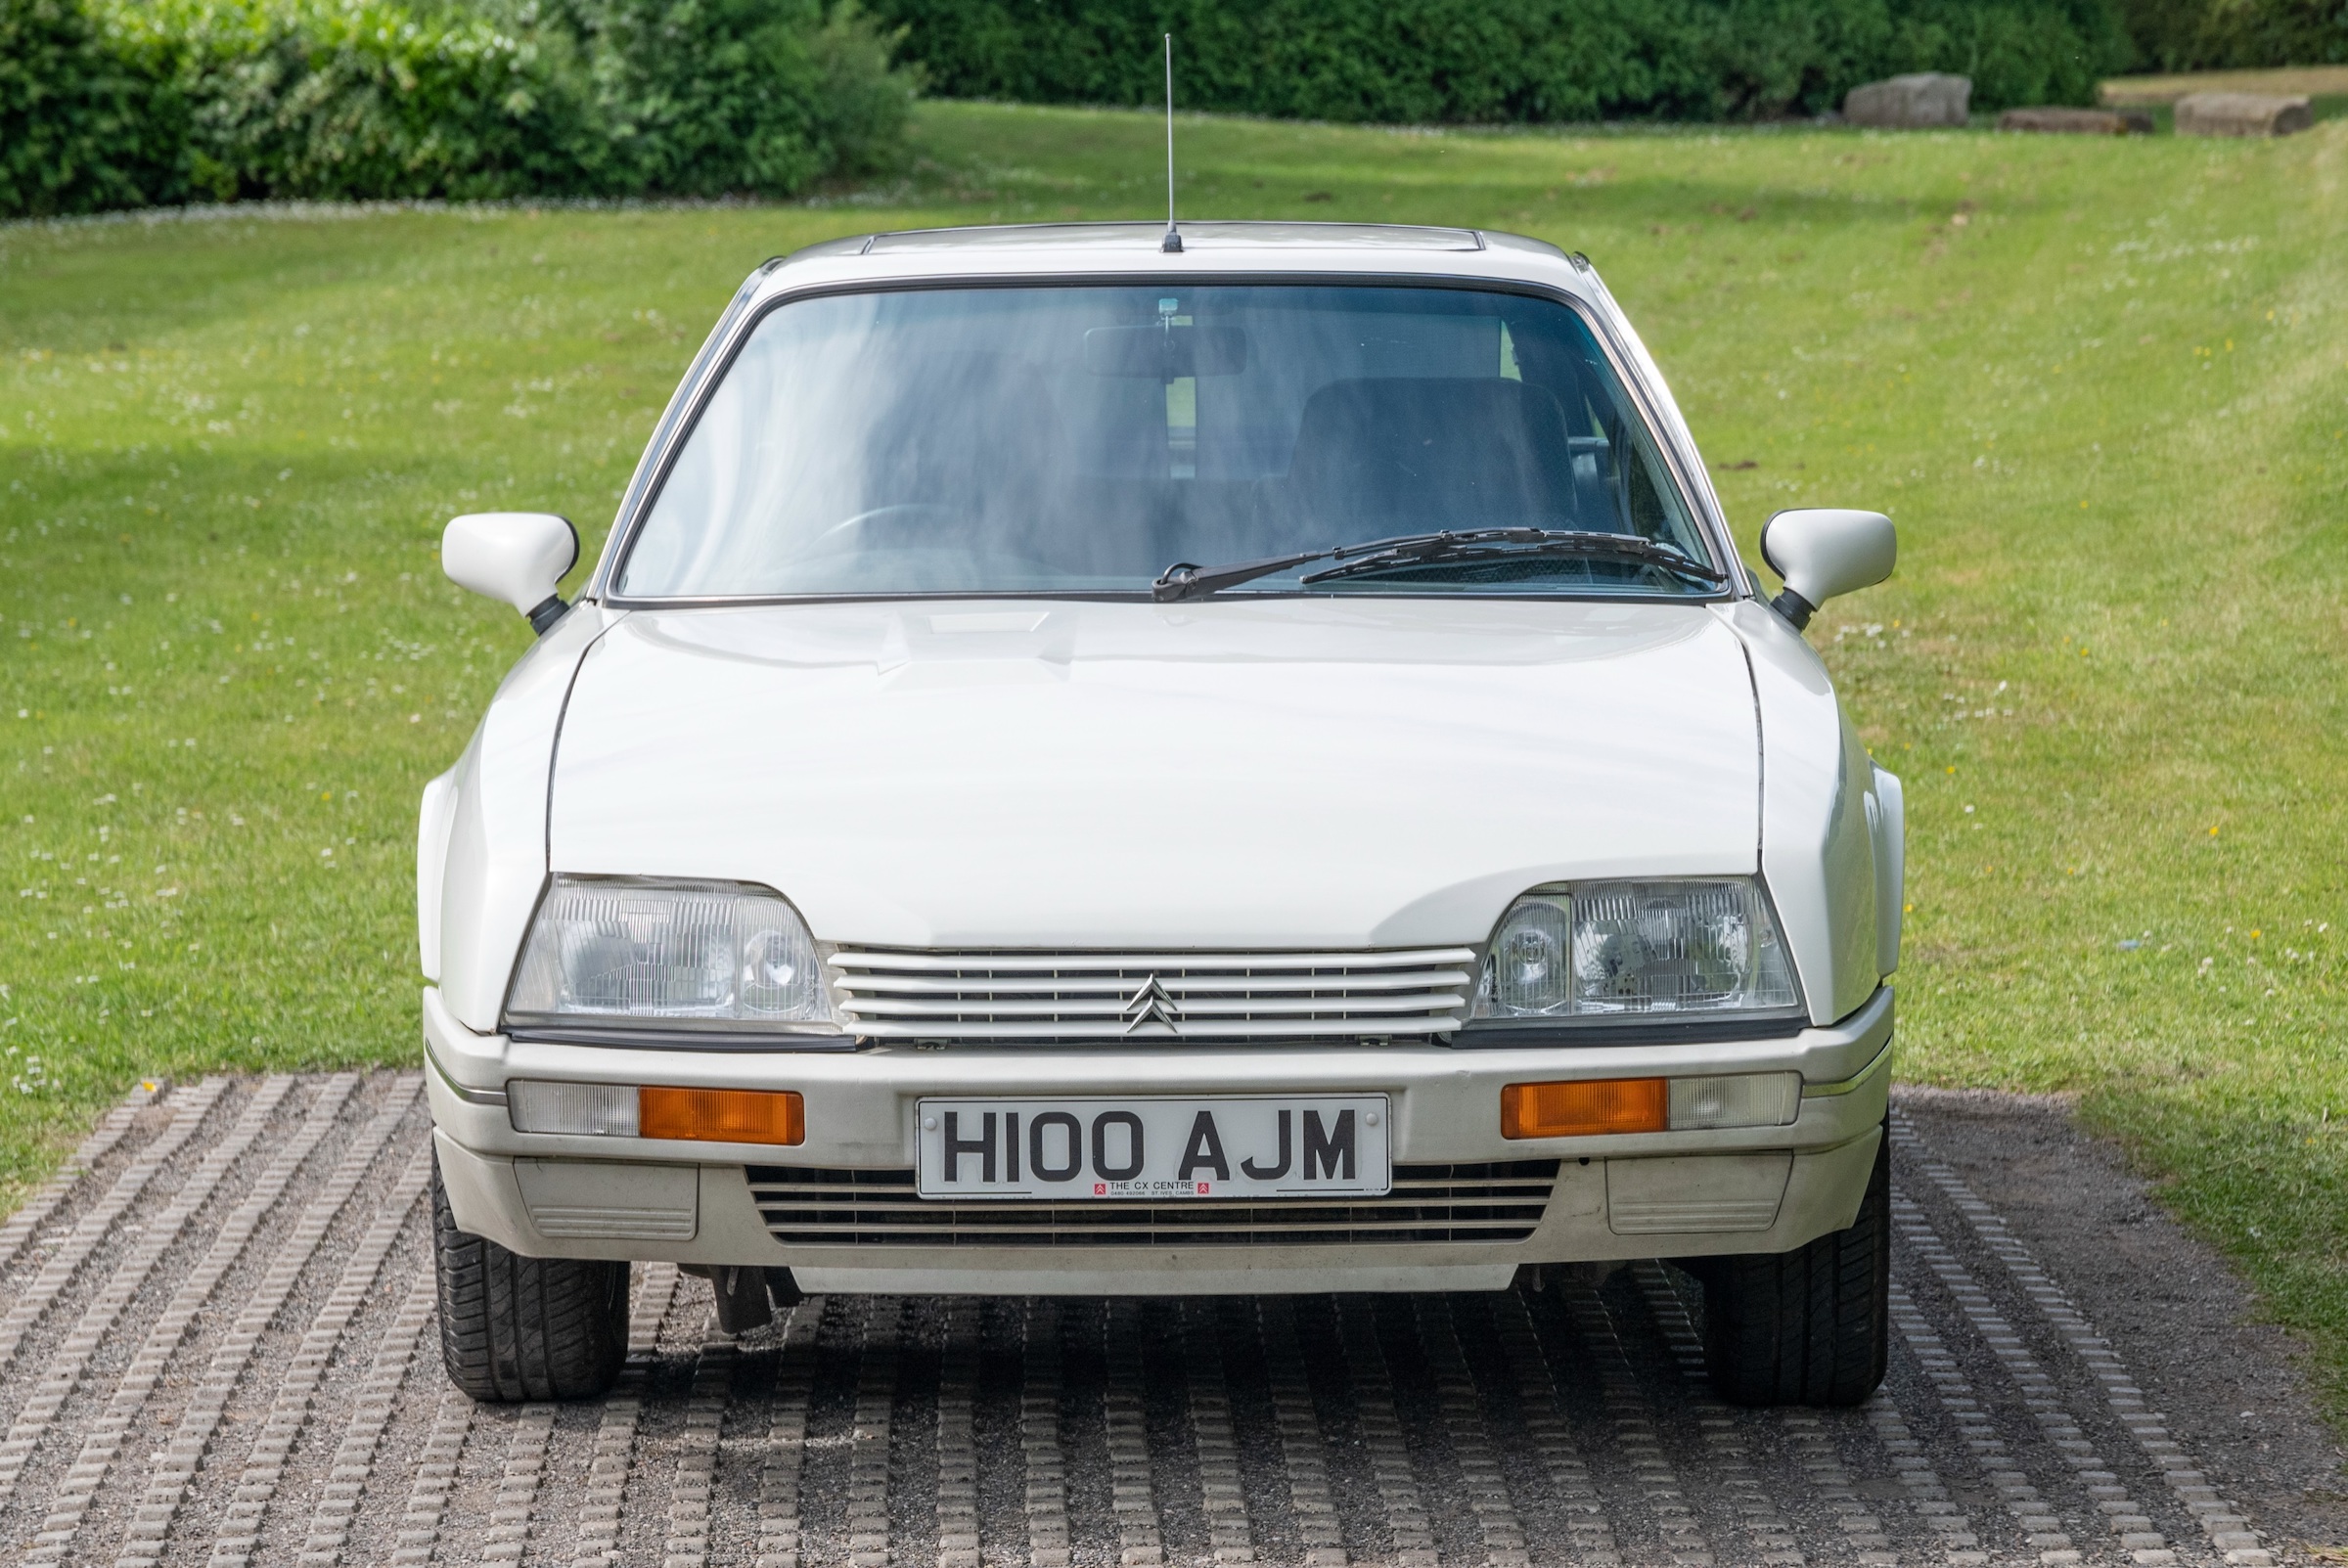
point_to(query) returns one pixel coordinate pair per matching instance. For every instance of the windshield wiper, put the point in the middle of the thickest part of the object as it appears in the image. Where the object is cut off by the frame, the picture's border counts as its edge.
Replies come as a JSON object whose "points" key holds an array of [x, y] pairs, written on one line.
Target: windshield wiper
{"points": [[1186, 580], [1502, 544]]}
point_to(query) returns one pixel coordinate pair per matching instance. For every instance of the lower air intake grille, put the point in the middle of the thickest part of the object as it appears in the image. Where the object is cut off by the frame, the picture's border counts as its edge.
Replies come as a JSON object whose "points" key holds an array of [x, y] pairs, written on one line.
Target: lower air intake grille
{"points": [[1499, 1201]]}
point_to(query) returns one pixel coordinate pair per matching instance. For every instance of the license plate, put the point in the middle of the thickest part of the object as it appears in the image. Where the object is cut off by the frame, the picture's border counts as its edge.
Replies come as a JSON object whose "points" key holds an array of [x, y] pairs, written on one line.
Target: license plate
{"points": [[1333, 1145]]}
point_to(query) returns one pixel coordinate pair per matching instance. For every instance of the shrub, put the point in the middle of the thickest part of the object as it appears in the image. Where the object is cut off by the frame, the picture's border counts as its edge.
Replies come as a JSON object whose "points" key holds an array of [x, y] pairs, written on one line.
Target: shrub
{"points": [[72, 113], [363, 100], [706, 97], [1507, 60], [119, 103], [2237, 34], [863, 99]]}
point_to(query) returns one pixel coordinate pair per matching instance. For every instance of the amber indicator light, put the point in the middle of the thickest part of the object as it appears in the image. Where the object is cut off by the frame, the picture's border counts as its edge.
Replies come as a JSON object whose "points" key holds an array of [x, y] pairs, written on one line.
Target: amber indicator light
{"points": [[1577, 1109], [722, 1115]]}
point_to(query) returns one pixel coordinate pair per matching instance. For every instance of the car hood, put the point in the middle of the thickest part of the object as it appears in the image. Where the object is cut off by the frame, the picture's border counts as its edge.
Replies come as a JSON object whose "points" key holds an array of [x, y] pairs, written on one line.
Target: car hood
{"points": [[1270, 773]]}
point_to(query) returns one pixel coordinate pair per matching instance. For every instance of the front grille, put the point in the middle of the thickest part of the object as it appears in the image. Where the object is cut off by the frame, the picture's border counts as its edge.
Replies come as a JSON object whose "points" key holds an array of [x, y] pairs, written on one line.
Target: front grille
{"points": [[890, 994], [1501, 1201]]}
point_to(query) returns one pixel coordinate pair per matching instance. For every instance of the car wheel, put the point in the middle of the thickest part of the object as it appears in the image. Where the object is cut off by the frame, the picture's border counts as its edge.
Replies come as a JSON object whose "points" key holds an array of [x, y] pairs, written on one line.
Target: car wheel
{"points": [[515, 1328], [1811, 1326]]}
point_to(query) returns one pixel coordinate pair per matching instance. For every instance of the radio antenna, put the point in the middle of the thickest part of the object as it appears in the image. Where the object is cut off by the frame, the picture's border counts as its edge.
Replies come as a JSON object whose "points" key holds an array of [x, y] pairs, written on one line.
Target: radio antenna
{"points": [[1173, 244]]}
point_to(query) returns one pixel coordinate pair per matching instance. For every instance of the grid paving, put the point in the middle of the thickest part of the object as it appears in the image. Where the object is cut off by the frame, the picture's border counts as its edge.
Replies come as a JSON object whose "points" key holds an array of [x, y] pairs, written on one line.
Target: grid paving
{"points": [[217, 1346]]}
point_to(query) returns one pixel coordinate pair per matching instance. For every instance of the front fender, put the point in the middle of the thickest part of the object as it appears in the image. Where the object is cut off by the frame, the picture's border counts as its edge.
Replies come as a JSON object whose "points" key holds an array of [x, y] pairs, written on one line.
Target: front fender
{"points": [[493, 862], [1819, 807], [1887, 821], [433, 818]]}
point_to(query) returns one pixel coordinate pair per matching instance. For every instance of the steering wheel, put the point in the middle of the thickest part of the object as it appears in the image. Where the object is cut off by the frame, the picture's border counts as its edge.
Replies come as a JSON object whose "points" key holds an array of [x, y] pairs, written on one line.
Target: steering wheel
{"points": [[922, 526], [923, 515]]}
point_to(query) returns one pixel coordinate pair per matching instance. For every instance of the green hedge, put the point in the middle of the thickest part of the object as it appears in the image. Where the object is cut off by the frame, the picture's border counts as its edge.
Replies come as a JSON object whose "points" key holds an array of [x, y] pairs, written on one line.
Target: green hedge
{"points": [[2238, 34], [71, 112], [121, 102], [1413, 61]]}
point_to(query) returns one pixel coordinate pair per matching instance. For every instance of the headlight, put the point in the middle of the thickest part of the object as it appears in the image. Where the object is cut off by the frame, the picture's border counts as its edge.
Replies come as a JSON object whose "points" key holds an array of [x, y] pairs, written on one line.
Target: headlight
{"points": [[709, 954], [1615, 948]]}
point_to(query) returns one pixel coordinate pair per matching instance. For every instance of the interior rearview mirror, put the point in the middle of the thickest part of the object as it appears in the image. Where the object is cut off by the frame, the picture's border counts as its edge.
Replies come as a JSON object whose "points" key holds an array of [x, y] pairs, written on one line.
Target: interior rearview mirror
{"points": [[1824, 551], [1165, 353], [519, 557]]}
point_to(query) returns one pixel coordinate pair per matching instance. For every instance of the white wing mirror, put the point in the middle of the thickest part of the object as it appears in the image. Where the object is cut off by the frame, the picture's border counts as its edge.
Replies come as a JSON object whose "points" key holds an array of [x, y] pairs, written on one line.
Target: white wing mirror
{"points": [[1825, 550], [518, 556]]}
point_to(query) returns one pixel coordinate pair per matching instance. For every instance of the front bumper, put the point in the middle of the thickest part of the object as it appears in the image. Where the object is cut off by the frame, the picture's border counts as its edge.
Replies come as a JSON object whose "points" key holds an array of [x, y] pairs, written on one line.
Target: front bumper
{"points": [[1627, 1195]]}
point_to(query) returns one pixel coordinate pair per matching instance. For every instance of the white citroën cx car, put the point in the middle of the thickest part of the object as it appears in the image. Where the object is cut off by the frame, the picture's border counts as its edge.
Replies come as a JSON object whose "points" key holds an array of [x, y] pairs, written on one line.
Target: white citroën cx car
{"points": [[1089, 766]]}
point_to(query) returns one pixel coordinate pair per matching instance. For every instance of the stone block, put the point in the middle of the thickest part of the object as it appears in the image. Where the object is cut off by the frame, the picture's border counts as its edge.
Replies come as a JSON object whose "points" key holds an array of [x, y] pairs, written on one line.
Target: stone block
{"points": [[1920, 101], [2241, 114], [2067, 121]]}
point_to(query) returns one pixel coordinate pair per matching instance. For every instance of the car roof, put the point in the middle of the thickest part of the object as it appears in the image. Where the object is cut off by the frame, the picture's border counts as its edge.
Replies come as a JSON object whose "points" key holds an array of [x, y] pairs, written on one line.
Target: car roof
{"points": [[1210, 235], [1208, 246]]}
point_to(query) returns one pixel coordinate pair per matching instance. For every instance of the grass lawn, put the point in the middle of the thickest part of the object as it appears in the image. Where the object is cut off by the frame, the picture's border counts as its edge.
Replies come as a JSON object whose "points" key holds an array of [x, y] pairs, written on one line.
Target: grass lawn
{"points": [[2103, 384]]}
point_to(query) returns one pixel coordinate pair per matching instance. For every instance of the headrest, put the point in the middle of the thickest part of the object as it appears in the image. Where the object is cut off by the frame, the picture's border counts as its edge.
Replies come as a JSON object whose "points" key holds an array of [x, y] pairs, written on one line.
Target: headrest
{"points": [[1431, 452]]}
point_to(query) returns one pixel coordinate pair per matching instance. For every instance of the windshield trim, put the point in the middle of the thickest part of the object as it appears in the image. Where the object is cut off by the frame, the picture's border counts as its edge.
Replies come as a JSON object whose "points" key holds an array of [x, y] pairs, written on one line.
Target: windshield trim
{"points": [[692, 398], [684, 408]]}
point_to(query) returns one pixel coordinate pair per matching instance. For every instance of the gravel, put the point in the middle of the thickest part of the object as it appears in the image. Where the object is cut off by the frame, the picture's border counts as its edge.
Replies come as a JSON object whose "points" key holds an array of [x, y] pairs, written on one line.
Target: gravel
{"points": [[2188, 1326]]}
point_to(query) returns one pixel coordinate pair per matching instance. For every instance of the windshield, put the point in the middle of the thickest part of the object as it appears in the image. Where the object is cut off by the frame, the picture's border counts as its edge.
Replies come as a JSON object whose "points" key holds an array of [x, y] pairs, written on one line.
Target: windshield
{"points": [[1084, 439]]}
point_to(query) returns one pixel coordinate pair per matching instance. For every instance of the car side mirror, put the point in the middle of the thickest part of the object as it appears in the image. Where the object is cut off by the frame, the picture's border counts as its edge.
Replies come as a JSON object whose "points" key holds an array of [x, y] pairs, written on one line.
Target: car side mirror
{"points": [[519, 557], [1824, 551]]}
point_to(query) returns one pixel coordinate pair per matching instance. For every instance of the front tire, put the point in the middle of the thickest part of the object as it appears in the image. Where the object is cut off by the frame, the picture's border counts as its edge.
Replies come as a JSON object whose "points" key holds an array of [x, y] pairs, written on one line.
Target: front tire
{"points": [[515, 1328], [1811, 1326]]}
